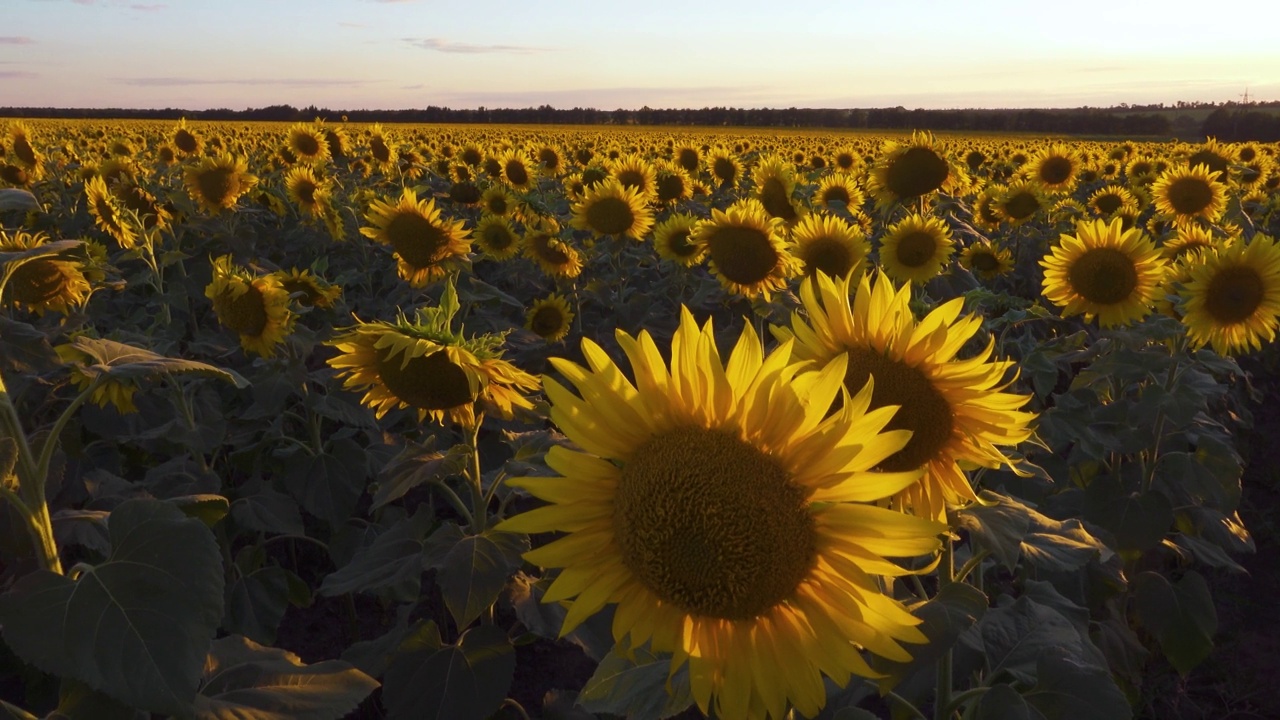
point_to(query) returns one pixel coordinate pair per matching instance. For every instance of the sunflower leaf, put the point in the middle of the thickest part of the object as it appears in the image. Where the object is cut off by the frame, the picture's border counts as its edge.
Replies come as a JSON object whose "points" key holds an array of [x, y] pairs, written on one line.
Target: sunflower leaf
{"points": [[394, 559], [1181, 616], [476, 569], [18, 199], [636, 688], [122, 361], [136, 627], [467, 681]]}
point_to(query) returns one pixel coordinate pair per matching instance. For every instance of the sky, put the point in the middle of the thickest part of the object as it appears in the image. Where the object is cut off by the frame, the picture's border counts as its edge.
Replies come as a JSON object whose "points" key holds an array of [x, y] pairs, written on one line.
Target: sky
{"points": [[400, 54]]}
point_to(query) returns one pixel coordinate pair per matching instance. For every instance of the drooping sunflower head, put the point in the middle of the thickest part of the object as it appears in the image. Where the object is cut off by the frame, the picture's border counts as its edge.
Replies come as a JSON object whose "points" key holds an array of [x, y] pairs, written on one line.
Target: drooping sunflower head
{"points": [[427, 245], [1055, 168], [839, 188], [185, 140], [746, 249], [673, 240], [986, 208], [829, 244], [303, 187], [611, 208], [107, 215], [549, 318], [725, 513], [425, 365], [986, 260], [54, 282], [1105, 271], [309, 289], [956, 409], [256, 308], [774, 181], [308, 143], [216, 182], [22, 149], [112, 391], [1190, 193], [1232, 296], [542, 244], [916, 249], [905, 171]]}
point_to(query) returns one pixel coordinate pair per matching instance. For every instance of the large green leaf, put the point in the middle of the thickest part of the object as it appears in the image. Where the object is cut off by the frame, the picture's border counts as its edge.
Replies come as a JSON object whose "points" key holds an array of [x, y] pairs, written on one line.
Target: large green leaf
{"points": [[329, 485], [258, 600], [24, 349], [122, 361], [474, 571], [136, 627], [636, 688], [467, 681], [1012, 530], [1002, 702], [955, 609], [1181, 616], [1017, 635], [415, 465], [394, 559], [17, 199], [77, 701], [268, 511], [243, 679], [1067, 689]]}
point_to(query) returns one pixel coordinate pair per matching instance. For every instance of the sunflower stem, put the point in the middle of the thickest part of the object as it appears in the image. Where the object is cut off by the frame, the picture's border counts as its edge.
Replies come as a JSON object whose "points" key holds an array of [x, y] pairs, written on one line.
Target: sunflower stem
{"points": [[454, 500], [1149, 471], [942, 695], [479, 503], [31, 481]]}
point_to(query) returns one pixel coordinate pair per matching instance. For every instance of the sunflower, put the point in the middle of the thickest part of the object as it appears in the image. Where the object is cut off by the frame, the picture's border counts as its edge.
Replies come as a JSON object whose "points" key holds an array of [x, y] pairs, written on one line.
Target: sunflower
{"points": [[255, 308], [308, 289], [611, 208], [21, 149], [828, 243], [725, 167], [1021, 202], [336, 138], [1190, 193], [48, 282], [381, 150], [1216, 156], [956, 409], [142, 203], [516, 170], [1104, 270], [496, 238], [423, 364], [302, 186], [1188, 239], [497, 200], [916, 249], [986, 208], [1233, 296], [985, 260], [107, 215], [724, 513], [746, 249], [185, 140], [775, 182], [673, 240], [673, 184], [839, 187], [549, 318], [550, 160], [687, 157], [905, 171], [1054, 168], [308, 143], [471, 155], [110, 390], [634, 171], [217, 181], [543, 245], [427, 246], [1108, 200]]}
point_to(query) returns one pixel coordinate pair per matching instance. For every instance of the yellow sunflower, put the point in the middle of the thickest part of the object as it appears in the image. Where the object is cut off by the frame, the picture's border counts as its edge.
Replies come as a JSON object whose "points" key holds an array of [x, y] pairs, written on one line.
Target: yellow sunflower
{"points": [[916, 249], [985, 260], [687, 157], [633, 171], [107, 215], [302, 186], [255, 308], [22, 150], [1190, 193], [611, 208], [550, 318], [956, 409], [217, 181], [517, 171], [185, 140], [906, 171], [1021, 202], [1106, 201], [828, 243], [308, 143], [673, 184], [725, 168], [1054, 168], [423, 364], [110, 390], [308, 289], [49, 282], [746, 249], [1233, 296], [427, 245], [381, 148], [673, 240], [497, 200], [723, 512], [542, 244], [1188, 239], [986, 208], [1104, 270], [774, 181], [496, 238], [839, 187]]}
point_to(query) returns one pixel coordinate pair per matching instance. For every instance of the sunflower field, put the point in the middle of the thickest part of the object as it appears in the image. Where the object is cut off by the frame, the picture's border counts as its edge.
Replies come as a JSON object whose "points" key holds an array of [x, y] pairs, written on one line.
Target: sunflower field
{"points": [[325, 420]]}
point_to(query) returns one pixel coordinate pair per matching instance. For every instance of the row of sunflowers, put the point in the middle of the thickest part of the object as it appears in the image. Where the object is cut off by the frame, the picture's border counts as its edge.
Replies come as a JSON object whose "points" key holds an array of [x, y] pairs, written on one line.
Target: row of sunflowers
{"points": [[977, 433]]}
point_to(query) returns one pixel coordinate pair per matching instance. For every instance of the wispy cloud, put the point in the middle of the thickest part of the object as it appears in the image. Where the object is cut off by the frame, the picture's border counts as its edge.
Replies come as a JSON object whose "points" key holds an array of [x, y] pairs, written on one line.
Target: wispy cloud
{"points": [[17, 75], [142, 7], [352, 24], [16, 40], [446, 46], [268, 82]]}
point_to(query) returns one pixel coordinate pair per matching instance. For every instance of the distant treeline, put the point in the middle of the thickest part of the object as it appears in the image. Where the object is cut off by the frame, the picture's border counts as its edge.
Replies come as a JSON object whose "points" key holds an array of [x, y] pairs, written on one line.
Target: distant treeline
{"points": [[1228, 122]]}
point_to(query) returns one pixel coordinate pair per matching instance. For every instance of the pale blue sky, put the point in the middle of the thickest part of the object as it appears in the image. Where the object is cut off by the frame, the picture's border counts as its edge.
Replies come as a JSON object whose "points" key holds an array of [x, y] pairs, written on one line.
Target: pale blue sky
{"points": [[349, 54]]}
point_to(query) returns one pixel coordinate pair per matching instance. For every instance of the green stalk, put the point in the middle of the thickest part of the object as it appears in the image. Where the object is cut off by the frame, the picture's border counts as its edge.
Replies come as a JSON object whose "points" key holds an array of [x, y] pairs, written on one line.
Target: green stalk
{"points": [[479, 505], [32, 474], [942, 695]]}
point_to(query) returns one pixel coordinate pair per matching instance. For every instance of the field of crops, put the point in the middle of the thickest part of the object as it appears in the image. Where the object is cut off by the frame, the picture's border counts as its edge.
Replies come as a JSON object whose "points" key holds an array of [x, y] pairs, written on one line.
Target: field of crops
{"points": [[324, 420]]}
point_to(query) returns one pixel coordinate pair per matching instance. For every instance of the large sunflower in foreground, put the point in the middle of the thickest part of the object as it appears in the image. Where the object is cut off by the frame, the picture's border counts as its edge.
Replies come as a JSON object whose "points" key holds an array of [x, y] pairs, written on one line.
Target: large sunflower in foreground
{"points": [[423, 364], [217, 181], [720, 506], [746, 250], [916, 249], [1190, 193], [1104, 270], [611, 208], [255, 308], [427, 245], [1233, 296], [956, 409], [49, 282]]}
